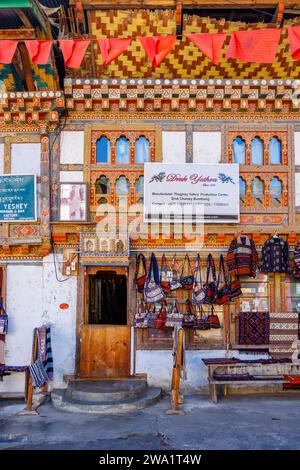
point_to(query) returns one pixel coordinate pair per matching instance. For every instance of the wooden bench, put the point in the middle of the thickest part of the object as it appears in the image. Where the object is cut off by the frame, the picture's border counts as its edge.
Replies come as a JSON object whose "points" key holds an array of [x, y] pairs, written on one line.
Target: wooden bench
{"points": [[262, 374], [213, 384]]}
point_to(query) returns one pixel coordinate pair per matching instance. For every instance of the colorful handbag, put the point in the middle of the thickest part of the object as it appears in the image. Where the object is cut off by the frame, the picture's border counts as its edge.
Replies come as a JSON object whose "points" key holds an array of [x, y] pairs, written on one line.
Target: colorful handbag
{"points": [[175, 282], [188, 319], [235, 288], [174, 318], [141, 273], [213, 319], [140, 319], [296, 267], [3, 319], [201, 322], [198, 295], [160, 322], [151, 316], [152, 290], [210, 286], [165, 275], [223, 293], [187, 279]]}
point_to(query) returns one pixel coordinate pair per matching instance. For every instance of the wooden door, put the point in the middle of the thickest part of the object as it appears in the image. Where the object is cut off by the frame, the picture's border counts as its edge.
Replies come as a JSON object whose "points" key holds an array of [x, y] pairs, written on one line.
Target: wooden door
{"points": [[104, 336], [105, 351]]}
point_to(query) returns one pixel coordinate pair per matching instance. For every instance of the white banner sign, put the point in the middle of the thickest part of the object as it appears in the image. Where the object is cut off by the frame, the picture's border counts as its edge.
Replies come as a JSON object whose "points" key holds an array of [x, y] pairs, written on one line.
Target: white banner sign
{"points": [[191, 192]]}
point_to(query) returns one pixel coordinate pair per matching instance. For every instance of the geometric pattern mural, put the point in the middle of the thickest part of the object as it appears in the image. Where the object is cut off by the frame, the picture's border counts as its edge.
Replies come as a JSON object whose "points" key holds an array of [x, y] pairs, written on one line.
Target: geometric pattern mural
{"points": [[185, 60]]}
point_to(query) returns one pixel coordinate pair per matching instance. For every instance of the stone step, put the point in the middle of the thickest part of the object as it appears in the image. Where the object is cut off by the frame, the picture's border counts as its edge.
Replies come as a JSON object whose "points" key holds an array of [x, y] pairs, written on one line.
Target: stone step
{"points": [[105, 390], [61, 400]]}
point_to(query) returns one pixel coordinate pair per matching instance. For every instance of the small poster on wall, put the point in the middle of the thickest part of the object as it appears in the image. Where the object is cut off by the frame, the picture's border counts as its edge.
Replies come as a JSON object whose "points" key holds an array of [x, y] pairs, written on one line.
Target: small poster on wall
{"points": [[17, 198], [70, 262], [73, 201]]}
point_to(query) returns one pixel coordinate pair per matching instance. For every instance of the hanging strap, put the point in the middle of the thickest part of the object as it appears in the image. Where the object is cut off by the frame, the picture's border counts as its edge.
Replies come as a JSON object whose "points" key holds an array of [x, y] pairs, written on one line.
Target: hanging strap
{"points": [[175, 308], [211, 264], [222, 271], [140, 259], [153, 268], [197, 270], [163, 264], [186, 258]]}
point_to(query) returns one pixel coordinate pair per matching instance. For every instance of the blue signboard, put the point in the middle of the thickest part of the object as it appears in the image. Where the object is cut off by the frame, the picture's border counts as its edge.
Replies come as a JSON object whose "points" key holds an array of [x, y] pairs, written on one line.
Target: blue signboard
{"points": [[17, 198]]}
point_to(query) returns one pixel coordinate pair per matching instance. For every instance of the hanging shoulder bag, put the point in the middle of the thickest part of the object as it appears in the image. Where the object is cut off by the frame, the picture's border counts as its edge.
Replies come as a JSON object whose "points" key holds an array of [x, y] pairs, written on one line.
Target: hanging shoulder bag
{"points": [[201, 322], [160, 322], [198, 295], [235, 287], [3, 319], [213, 319], [210, 286], [151, 316], [141, 273], [188, 320], [223, 291], [187, 279], [175, 282], [140, 319], [174, 318], [152, 290], [165, 275]]}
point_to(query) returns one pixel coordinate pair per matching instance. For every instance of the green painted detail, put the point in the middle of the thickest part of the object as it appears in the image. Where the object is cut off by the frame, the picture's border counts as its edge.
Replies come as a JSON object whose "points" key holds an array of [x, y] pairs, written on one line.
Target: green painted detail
{"points": [[15, 4]]}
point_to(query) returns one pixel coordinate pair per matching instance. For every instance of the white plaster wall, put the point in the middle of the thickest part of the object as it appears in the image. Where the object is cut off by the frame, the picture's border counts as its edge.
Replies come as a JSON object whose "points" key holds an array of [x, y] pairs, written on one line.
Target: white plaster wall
{"points": [[158, 367], [33, 298], [297, 148], [1, 159], [26, 158], [206, 147], [297, 189], [72, 147], [71, 176], [63, 321], [173, 147], [23, 305]]}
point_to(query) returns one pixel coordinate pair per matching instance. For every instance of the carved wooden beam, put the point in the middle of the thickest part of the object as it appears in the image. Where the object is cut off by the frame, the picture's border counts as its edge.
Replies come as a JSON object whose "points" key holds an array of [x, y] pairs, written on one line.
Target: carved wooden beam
{"points": [[26, 33], [197, 4]]}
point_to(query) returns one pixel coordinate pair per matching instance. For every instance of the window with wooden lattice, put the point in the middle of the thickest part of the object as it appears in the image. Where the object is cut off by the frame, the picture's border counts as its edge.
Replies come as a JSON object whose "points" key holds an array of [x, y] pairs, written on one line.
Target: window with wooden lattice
{"points": [[116, 166], [265, 170]]}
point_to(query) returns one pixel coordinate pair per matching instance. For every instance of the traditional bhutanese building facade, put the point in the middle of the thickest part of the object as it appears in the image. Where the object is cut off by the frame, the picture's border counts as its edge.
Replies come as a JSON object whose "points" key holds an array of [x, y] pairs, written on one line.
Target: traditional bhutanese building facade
{"points": [[91, 136]]}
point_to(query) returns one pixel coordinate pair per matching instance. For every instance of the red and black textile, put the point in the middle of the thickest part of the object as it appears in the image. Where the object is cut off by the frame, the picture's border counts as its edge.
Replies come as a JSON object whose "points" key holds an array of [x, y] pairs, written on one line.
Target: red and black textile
{"points": [[242, 257], [254, 328]]}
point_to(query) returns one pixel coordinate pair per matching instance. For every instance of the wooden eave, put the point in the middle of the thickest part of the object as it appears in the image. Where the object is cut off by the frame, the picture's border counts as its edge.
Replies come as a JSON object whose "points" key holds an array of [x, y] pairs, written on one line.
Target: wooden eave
{"points": [[187, 4]]}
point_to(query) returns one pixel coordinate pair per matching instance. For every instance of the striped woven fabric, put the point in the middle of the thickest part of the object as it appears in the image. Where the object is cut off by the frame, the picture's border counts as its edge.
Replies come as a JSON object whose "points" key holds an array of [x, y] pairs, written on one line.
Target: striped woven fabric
{"points": [[284, 328]]}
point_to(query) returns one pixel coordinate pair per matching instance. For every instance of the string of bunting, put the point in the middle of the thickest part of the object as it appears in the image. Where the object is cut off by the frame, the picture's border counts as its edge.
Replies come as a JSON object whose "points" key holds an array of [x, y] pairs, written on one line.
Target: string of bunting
{"points": [[258, 46]]}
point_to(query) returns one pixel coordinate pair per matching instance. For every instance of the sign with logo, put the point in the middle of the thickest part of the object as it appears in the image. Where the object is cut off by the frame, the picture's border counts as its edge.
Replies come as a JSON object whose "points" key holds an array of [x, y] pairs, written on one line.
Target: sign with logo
{"points": [[17, 198], [191, 192]]}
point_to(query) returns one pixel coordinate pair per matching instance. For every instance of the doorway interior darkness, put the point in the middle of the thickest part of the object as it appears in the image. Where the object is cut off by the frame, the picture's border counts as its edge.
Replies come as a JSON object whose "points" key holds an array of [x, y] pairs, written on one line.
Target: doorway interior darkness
{"points": [[107, 298]]}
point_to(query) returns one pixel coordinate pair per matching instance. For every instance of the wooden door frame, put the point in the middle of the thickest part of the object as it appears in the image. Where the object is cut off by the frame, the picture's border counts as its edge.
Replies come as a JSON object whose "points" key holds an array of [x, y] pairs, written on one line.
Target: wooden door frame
{"points": [[82, 300]]}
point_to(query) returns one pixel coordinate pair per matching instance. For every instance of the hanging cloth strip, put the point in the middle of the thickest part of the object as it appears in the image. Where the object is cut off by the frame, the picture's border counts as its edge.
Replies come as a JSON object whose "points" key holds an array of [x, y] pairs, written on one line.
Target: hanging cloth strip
{"points": [[38, 374], [49, 356], [210, 44]]}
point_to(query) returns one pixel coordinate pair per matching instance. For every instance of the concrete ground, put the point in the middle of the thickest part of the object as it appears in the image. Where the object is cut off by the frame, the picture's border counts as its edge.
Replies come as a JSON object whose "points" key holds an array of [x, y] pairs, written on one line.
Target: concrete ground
{"points": [[237, 422]]}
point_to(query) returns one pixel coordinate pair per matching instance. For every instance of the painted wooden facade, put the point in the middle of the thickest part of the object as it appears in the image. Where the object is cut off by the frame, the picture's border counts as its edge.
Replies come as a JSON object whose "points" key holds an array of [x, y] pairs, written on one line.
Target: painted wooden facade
{"points": [[160, 106]]}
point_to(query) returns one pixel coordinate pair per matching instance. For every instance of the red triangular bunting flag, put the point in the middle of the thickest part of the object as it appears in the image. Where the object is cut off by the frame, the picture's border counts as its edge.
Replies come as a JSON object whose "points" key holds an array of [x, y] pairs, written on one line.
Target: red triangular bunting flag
{"points": [[39, 51], [73, 51], [112, 48], [294, 38], [157, 47], [258, 45], [210, 44], [7, 50]]}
